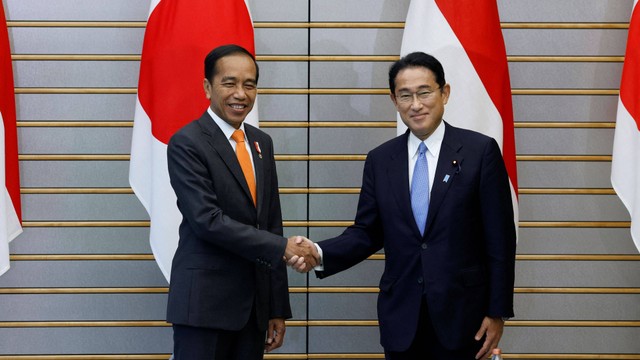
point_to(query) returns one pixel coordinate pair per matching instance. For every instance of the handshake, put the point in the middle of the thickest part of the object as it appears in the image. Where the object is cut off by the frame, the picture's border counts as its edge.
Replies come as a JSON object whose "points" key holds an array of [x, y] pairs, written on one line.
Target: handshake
{"points": [[301, 254]]}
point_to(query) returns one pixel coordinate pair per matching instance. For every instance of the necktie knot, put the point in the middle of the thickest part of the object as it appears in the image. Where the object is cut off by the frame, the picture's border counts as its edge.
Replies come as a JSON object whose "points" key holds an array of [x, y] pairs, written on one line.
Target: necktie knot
{"points": [[238, 136], [422, 149]]}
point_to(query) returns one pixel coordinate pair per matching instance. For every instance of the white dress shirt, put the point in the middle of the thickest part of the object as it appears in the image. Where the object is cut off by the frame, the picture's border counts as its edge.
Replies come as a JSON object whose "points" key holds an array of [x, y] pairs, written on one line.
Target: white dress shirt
{"points": [[228, 130]]}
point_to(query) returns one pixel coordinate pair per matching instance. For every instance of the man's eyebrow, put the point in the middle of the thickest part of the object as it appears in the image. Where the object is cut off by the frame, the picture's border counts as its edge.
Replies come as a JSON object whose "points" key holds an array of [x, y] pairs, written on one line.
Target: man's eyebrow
{"points": [[228, 78], [421, 87]]}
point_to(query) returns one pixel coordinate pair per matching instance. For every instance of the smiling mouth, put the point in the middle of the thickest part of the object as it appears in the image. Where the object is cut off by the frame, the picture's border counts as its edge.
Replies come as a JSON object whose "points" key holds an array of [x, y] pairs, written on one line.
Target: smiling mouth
{"points": [[237, 106]]}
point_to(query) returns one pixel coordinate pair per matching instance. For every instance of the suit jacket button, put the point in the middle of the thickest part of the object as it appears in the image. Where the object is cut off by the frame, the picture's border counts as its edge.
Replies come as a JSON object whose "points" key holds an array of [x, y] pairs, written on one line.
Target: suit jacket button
{"points": [[424, 246], [420, 280]]}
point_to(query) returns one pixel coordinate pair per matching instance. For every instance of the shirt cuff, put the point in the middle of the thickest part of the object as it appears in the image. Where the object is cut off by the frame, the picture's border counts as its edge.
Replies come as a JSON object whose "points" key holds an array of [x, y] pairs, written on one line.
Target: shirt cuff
{"points": [[320, 266]]}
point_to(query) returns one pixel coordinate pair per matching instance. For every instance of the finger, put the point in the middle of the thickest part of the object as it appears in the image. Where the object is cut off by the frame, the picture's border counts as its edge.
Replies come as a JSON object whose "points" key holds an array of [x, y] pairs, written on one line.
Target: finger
{"points": [[483, 353], [294, 259], [484, 350], [299, 240], [310, 260], [300, 265]]}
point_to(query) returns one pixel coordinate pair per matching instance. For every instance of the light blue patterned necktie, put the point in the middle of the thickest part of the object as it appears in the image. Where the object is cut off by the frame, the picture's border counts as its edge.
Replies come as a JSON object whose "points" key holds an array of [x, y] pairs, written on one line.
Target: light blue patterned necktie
{"points": [[420, 189]]}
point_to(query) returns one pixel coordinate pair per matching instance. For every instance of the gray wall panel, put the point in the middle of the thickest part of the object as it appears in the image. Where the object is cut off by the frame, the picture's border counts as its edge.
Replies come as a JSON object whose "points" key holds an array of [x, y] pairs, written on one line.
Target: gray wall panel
{"points": [[288, 140], [610, 307], [356, 41], [72, 40], [564, 141], [82, 240], [360, 10], [78, 10], [298, 306], [81, 107], [282, 107], [572, 208], [577, 75], [100, 340], [81, 207], [344, 339], [76, 73], [577, 273], [587, 340], [351, 108], [336, 173], [343, 141], [296, 279], [74, 140], [561, 42], [74, 173], [564, 174], [579, 108], [567, 240], [294, 206], [283, 74], [292, 173], [565, 11], [349, 74], [279, 10], [343, 306], [83, 307], [321, 233], [101, 273], [281, 41], [333, 207]]}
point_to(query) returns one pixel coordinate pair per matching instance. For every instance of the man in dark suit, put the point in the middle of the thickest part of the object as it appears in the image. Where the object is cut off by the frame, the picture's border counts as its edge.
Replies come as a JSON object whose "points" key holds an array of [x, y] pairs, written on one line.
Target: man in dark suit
{"points": [[228, 281], [438, 200]]}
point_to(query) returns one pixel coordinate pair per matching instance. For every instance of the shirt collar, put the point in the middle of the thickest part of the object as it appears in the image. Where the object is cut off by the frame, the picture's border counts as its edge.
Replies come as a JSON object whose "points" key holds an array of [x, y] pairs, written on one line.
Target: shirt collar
{"points": [[227, 129], [433, 142]]}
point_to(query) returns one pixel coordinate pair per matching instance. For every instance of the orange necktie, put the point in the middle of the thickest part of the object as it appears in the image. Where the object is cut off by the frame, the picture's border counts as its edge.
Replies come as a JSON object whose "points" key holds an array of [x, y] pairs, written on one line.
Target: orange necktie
{"points": [[245, 162]]}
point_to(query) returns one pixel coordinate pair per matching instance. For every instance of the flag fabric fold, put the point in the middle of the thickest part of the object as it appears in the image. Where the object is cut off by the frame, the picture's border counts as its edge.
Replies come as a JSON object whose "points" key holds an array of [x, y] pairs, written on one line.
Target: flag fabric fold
{"points": [[625, 163], [178, 36], [466, 37], [10, 218]]}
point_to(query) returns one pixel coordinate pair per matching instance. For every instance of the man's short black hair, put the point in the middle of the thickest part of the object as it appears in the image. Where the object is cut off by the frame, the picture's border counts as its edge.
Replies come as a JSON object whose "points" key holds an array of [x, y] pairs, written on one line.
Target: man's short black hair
{"points": [[416, 59], [220, 52]]}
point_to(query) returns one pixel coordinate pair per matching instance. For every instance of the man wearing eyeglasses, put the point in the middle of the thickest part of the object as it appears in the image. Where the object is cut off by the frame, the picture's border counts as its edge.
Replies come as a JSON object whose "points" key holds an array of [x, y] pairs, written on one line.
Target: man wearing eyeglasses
{"points": [[437, 199]]}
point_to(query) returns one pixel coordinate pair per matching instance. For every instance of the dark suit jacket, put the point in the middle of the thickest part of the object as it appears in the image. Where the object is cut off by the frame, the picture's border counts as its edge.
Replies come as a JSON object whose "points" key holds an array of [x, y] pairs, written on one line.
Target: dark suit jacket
{"points": [[464, 263], [229, 257]]}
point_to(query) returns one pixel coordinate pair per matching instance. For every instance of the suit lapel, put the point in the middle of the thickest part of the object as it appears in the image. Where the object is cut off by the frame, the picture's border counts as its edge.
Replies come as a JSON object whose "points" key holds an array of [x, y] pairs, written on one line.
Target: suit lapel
{"points": [[398, 175], [258, 163], [221, 145], [449, 162]]}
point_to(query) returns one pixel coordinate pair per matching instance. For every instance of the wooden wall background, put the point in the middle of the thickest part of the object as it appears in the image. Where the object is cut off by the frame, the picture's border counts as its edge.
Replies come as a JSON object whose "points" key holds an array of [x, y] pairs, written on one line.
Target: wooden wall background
{"points": [[83, 283]]}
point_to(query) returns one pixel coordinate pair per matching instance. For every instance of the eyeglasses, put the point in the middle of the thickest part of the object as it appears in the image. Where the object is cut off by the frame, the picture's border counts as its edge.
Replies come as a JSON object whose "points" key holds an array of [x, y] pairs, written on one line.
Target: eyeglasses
{"points": [[423, 95]]}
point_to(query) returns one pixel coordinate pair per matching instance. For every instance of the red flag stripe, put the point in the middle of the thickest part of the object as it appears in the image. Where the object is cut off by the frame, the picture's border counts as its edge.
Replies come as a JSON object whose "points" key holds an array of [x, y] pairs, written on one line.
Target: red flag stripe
{"points": [[465, 18], [8, 110], [630, 85], [178, 37]]}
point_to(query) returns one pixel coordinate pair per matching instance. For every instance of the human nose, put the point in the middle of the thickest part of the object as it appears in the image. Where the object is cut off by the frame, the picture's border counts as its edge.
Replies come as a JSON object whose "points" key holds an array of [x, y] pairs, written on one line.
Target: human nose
{"points": [[239, 92], [415, 102]]}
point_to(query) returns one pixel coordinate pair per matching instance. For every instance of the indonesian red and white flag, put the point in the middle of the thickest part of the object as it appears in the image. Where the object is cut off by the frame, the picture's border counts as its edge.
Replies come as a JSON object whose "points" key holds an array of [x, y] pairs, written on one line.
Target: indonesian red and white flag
{"points": [[10, 222], [178, 36], [625, 165], [465, 36]]}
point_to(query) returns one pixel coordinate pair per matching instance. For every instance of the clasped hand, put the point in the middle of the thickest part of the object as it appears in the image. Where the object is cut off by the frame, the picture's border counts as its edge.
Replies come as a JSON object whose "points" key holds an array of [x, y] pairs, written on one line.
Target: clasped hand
{"points": [[301, 254]]}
